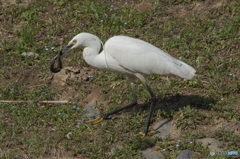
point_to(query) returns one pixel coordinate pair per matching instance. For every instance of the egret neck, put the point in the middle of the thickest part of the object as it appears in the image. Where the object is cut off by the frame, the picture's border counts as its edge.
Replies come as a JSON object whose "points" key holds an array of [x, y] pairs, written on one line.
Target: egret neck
{"points": [[91, 54]]}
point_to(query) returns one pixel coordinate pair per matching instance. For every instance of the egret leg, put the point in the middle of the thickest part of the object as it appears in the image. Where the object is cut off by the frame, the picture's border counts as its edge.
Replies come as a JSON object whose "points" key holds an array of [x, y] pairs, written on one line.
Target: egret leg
{"points": [[106, 116], [153, 103], [134, 102]]}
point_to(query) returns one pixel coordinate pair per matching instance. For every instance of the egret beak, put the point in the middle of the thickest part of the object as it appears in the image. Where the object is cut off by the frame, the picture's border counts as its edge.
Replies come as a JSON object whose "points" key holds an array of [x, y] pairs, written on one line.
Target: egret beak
{"points": [[58, 57], [67, 48]]}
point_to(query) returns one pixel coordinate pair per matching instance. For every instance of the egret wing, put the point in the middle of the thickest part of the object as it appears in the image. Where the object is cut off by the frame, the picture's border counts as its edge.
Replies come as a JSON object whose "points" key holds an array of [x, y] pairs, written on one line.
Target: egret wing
{"points": [[141, 57]]}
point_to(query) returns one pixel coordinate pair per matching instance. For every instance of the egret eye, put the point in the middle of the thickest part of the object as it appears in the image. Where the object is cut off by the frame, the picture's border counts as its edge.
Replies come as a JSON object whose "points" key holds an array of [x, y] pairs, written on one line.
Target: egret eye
{"points": [[74, 41]]}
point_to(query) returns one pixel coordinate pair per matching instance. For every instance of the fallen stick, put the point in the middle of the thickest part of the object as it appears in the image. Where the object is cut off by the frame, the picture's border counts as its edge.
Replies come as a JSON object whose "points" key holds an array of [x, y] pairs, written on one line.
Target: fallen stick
{"points": [[43, 101]]}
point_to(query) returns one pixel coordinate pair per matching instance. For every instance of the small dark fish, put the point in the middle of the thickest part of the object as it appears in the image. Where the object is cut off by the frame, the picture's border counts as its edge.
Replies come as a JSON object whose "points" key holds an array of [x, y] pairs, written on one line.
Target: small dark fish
{"points": [[59, 66]]}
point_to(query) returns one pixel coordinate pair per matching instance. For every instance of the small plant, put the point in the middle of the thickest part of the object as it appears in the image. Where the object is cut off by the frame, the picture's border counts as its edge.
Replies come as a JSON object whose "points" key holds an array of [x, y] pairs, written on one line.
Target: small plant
{"points": [[189, 118]]}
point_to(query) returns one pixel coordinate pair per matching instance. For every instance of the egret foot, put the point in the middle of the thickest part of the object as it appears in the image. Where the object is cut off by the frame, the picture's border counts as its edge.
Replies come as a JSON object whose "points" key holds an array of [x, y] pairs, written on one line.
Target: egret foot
{"points": [[144, 134], [95, 121], [152, 132], [99, 119]]}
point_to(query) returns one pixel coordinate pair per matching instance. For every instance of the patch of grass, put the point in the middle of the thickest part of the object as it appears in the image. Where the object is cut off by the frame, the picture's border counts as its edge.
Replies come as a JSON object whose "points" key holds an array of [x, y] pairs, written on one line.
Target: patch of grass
{"points": [[189, 118], [204, 34], [228, 138]]}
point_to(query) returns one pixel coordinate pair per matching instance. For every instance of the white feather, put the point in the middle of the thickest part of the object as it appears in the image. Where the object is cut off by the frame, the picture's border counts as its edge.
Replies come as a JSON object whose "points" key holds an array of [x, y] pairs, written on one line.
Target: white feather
{"points": [[129, 56]]}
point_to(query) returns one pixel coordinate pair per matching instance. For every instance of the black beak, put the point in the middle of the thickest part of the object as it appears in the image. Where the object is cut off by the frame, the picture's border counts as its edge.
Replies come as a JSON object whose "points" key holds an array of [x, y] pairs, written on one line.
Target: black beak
{"points": [[58, 57], [68, 47]]}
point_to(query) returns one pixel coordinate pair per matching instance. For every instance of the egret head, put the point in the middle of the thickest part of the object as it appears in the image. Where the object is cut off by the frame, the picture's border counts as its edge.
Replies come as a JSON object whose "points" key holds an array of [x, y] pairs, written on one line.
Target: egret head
{"points": [[82, 39], [78, 40], [75, 42]]}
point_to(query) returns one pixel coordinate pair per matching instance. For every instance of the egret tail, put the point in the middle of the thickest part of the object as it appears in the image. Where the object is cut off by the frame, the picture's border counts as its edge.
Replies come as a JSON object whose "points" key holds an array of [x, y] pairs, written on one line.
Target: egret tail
{"points": [[182, 69]]}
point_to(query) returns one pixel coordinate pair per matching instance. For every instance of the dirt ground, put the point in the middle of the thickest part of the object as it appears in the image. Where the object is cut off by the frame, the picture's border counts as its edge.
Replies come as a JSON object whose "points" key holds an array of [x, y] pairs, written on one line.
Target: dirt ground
{"points": [[81, 74]]}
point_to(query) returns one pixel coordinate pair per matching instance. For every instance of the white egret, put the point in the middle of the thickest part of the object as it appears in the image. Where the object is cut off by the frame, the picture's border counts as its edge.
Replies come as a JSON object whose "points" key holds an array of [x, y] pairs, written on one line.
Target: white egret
{"points": [[131, 57]]}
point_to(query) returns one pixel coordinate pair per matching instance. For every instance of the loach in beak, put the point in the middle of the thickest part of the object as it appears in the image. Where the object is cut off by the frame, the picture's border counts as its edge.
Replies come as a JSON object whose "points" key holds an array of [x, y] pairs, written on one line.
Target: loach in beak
{"points": [[59, 66], [58, 57]]}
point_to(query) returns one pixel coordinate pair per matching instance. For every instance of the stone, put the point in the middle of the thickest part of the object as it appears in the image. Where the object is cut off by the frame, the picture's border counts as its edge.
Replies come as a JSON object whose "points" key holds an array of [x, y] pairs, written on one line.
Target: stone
{"points": [[186, 154], [229, 128], [30, 54], [214, 144], [90, 112], [112, 152], [163, 128], [69, 135], [150, 154]]}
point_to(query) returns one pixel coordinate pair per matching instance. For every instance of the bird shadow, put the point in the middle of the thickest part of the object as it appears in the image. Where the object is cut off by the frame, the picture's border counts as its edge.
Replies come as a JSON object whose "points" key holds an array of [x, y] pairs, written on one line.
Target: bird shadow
{"points": [[180, 101], [176, 102]]}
